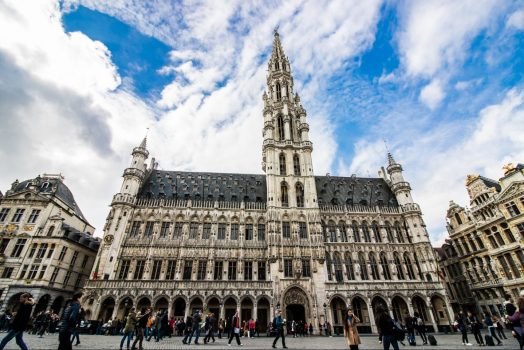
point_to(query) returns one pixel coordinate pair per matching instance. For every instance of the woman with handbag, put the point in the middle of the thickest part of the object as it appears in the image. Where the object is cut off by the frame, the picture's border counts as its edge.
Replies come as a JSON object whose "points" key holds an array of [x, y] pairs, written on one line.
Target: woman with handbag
{"points": [[351, 331], [235, 324]]}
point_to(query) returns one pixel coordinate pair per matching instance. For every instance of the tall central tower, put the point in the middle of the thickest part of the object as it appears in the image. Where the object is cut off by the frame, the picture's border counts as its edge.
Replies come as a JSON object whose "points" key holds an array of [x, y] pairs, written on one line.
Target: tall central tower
{"points": [[286, 152]]}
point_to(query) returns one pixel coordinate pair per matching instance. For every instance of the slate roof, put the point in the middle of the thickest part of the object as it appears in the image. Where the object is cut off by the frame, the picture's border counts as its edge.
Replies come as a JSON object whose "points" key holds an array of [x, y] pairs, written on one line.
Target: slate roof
{"points": [[252, 188], [46, 186]]}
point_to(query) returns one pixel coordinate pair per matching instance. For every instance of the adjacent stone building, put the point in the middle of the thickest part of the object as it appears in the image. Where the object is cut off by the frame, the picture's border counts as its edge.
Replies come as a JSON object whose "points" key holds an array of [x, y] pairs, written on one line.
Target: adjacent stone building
{"points": [[483, 258], [310, 245], [46, 244]]}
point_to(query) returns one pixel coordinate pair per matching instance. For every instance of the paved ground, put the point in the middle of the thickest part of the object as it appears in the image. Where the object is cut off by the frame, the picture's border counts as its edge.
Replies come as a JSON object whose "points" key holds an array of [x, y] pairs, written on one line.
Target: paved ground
{"points": [[368, 342]]}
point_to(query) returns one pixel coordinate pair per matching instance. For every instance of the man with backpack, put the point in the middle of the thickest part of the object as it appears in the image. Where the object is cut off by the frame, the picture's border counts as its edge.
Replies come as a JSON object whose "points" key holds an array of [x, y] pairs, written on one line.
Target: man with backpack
{"points": [[68, 322], [197, 318], [410, 329]]}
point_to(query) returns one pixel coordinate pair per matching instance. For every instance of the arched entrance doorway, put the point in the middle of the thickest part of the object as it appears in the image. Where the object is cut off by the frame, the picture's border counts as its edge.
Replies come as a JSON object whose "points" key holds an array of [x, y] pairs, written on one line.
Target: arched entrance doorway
{"points": [[338, 309], [161, 304], [179, 308], [360, 309], [142, 303], [57, 305], [194, 305], [400, 309], [296, 305], [419, 307], [106, 309], [42, 304], [230, 307], [440, 312], [123, 308], [213, 305], [263, 314], [246, 309]]}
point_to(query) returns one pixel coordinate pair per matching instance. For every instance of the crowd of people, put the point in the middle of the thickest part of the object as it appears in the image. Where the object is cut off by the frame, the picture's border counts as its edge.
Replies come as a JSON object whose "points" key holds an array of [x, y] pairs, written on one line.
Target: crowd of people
{"points": [[144, 324]]}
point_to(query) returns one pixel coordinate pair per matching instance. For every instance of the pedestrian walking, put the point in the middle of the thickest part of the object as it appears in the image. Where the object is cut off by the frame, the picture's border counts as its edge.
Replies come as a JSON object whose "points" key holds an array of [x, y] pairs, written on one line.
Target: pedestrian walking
{"points": [[209, 327], [197, 318], [235, 331], [140, 328], [278, 324], [68, 322], [350, 330], [221, 326], [517, 319], [420, 327], [129, 328], [499, 326], [385, 327], [76, 330], [188, 329], [20, 321], [476, 326], [410, 329], [491, 327], [461, 324]]}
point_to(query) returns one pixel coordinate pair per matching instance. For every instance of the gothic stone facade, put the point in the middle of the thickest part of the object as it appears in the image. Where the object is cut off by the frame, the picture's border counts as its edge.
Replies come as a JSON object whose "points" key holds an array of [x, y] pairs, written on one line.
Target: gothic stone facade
{"points": [[311, 245], [483, 259], [47, 245]]}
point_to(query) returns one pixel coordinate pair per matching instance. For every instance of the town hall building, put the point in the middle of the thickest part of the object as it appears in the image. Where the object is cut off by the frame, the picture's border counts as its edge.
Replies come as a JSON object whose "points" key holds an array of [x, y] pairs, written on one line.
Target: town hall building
{"points": [[286, 239]]}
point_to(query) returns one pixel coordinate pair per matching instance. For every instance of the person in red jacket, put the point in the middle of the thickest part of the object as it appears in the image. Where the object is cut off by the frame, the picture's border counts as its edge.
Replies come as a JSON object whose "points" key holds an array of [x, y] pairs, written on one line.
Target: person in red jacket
{"points": [[235, 329], [23, 315]]}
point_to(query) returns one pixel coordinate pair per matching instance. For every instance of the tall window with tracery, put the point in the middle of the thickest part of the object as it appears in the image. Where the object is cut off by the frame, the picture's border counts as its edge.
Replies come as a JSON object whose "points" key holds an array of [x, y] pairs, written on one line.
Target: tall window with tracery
{"points": [[284, 194], [282, 164], [280, 128], [300, 195], [279, 91], [296, 165]]}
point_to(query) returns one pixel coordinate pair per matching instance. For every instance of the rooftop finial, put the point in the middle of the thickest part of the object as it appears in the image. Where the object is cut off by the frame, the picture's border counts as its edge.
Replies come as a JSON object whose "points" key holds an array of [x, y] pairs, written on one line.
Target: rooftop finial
{"points": [[144, 141], [275, 31]]}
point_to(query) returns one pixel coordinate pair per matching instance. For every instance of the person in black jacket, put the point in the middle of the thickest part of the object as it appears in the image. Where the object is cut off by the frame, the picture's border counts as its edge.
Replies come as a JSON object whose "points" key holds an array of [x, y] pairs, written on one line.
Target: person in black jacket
{"points": [[140, 328], [68, 322], [475, 324], [22, 317], [385, 327], [235, 329], [197, 318], [279, 324], [209, 327]]}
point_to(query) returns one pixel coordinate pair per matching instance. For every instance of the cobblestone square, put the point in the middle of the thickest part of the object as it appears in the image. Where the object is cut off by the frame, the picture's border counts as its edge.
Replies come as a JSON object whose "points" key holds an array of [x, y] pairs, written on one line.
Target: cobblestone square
{"points": [[445, 341]]}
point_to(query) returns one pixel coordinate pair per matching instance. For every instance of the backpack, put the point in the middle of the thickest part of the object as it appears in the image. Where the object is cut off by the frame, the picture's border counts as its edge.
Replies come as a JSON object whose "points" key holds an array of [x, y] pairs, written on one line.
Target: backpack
{"points": [[420, 322]]}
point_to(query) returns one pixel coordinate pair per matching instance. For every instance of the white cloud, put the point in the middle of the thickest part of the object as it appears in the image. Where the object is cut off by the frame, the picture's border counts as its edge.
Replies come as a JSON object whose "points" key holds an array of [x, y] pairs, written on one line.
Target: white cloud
{"points": [[432, 94], [59, 107], [436, 34], [516, 20], [208, 119]]}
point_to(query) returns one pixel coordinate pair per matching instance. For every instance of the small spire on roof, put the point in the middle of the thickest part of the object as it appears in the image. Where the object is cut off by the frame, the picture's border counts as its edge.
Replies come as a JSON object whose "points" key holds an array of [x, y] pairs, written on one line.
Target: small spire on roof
{"points": [[143, 144], [391, 161]]}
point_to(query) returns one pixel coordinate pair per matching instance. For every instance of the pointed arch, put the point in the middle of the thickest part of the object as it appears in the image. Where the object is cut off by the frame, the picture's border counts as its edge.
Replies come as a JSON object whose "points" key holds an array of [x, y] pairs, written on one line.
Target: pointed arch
{"points": [[409, 266], [343, 231], [398, 265], [389, 232], [356, 232], [385, 266], [284, 194], [299, 189], [332, 231], [350, 269], [363, 267], [376, 232], [278, 90], [282, 163], [339, 277], [373, 266], [280, 128], [365, 232], [328, 266], [296, 164], [398, 231]]}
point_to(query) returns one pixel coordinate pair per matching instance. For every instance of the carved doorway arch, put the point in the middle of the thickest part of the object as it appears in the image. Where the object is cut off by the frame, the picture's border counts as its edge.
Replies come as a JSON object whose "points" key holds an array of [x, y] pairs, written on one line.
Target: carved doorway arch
{"points": [[295, 300]]}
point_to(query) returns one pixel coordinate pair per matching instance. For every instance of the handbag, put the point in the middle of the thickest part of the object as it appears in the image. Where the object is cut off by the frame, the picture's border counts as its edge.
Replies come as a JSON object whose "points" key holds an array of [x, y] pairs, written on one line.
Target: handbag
{"points": [[236, 330]]}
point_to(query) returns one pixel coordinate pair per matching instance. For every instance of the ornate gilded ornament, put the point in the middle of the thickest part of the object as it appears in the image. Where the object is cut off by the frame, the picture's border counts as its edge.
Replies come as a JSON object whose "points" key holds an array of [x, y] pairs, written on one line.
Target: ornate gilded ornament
{"points": [[508, 168], [108, 239]]}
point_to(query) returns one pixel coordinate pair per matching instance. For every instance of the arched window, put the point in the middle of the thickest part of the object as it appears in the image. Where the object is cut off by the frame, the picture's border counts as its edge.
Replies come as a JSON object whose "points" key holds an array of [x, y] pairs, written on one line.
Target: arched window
{"points": [[280, 128], [291, 128], [51, 230], [332, 231], [409, 266], [457, 218], [279, 91], [398, 231], [376, 232], [282, 163], [385, 266], [339, 277], [296, 165], [389, 232], [324, 230], [363, 267], [400, 272], [350, 270], [300, 194], [365, 231], [418, 267], [342, 229], [277, 65], [328, 266], [374, 267], [283, 190], [356, 232]]}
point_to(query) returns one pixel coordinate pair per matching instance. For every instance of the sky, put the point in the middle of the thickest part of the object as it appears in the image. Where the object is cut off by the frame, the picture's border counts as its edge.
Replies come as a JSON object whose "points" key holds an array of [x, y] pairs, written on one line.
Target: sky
{"points": [[437, 83]]}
